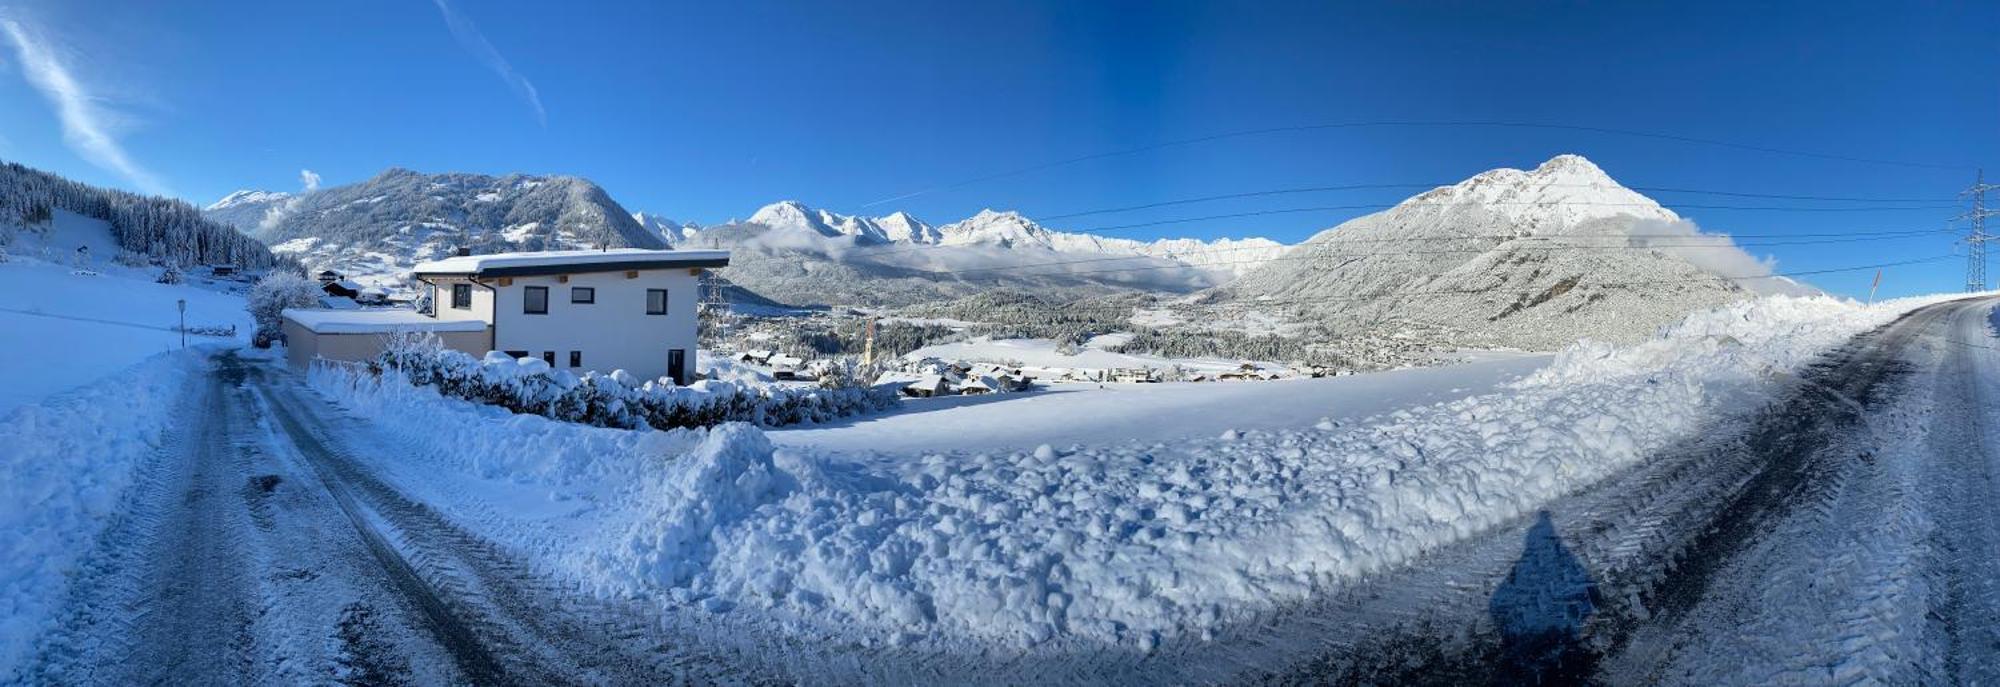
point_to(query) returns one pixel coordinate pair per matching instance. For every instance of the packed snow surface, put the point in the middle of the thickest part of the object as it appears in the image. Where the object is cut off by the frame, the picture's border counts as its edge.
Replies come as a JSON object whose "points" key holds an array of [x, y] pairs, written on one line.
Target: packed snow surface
{"points": [[68, 461], [1129, 542]]}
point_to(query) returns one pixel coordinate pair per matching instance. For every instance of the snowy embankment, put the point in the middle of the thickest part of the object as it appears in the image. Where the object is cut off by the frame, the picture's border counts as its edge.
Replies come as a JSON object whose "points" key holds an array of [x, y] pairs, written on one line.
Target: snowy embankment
{"points": [[68, 461], [1132, 543]]}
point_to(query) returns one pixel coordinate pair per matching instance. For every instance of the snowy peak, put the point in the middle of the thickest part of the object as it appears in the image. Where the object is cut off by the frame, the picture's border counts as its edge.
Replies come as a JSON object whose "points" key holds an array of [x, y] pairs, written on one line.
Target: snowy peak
{"points": [[667, 229], [796, 216], [1561, 193], [994, 228], [900, 226], [247, 197]]}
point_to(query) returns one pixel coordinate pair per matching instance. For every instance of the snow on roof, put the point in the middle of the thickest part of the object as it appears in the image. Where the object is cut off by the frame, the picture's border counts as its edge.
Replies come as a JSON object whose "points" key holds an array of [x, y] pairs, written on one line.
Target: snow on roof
{"points": [[375, 321], [348, 284], [556, 261]]}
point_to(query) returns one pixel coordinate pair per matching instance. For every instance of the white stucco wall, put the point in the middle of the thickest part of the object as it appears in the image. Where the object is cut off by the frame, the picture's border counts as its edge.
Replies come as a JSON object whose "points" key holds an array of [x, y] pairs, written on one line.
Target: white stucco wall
{"points": [[613, 333], [482, 303]]}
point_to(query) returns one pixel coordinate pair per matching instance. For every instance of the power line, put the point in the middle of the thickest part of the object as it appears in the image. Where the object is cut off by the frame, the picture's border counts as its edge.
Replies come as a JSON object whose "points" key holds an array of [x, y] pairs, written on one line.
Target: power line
{"points": [[1717, 242], [1412, 124], [1114, 309], [1975, 256], [1547, 243], [1371, 187]]}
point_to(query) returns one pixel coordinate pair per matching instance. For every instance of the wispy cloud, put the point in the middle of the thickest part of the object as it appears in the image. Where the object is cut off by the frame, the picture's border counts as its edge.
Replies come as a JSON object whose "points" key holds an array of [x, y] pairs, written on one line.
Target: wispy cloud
{"points": [[277, 213], [88, 125], [474, 42]]}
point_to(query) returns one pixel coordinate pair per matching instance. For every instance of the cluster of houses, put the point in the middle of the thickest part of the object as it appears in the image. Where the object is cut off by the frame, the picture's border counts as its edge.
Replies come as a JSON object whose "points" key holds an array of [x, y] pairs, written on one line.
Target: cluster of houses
{"points": [[932, 376], [784, 367], [346, 294]]}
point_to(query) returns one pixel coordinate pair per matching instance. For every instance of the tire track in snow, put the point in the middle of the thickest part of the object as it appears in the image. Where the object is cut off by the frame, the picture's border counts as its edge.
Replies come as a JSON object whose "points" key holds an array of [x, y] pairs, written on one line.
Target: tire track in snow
{"points": [[1652, 538], [536, 631]]}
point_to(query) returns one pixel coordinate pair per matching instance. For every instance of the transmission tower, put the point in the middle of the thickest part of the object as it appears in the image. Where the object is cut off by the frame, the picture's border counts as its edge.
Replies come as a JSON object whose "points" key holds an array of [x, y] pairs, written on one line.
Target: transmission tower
{"points": [[1975, 254]]}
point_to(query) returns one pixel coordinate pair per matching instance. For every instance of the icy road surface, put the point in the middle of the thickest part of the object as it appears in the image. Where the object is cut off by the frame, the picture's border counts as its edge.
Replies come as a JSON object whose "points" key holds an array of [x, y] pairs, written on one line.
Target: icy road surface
{"points": [[1091, 415]]}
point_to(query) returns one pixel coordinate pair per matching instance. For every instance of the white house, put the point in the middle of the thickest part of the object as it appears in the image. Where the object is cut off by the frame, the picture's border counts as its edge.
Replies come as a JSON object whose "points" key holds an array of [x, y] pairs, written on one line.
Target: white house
{"points": [[579, 310]]}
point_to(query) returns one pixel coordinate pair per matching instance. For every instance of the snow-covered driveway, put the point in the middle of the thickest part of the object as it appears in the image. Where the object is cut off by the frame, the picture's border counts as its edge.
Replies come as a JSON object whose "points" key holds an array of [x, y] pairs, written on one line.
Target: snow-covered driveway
{"points": [[1064, 415]]}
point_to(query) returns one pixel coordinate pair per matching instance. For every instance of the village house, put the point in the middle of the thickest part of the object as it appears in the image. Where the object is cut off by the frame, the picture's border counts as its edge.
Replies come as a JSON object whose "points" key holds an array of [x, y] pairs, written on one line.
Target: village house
{"points": [[581, 310]]}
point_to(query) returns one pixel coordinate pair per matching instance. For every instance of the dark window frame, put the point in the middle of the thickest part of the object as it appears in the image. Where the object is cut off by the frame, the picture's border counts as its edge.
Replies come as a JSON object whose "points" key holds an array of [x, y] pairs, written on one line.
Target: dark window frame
{"points": [[663, 302], [589, 294], [576, 358], [517, 355], [527, 307], [550, 358], [461, 296]]}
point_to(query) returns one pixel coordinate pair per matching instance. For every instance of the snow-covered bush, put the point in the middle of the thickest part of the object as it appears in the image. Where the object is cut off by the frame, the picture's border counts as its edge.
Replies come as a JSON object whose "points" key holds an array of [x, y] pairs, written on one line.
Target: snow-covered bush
{"points": [[269, 298], [529, 385], [170, 275]]}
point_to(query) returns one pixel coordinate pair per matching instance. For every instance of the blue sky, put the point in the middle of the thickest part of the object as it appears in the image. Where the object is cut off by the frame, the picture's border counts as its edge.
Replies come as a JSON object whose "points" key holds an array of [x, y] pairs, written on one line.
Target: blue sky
{"points": [[707, 111]]}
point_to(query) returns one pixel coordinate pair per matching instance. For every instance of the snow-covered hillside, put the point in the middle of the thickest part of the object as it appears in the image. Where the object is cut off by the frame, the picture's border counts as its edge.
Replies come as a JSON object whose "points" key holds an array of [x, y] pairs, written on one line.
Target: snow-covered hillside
{"points": [[1534, 259], [374, 230], [799, 254], [70, 327]]}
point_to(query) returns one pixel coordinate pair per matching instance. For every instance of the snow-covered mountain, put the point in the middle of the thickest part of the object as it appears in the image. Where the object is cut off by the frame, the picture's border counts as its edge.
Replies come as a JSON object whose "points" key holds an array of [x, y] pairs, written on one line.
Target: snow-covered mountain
{"points": [[1012, 230], [1534, 259], [667, 229], [376, 229], [797, 253], [791, 215]]}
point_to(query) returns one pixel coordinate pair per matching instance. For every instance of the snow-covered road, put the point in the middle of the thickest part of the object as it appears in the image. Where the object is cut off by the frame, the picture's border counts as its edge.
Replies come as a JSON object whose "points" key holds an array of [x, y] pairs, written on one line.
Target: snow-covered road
{"points": [[262, 548], [1845, 535]]}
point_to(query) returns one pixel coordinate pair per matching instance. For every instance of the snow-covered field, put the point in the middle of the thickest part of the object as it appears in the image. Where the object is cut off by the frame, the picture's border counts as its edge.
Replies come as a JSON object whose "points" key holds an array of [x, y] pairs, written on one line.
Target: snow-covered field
{"points": [[1045, 353], [1127, 543], [1066, 415], [68, 329]]}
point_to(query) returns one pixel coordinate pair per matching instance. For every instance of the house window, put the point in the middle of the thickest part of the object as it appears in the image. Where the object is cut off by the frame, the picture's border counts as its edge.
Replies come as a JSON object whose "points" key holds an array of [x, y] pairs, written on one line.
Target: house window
{"points": [[582, 294], [549, 357], [656, 301], [461, 296], [576, 358], [517, 355], [535, 300]]}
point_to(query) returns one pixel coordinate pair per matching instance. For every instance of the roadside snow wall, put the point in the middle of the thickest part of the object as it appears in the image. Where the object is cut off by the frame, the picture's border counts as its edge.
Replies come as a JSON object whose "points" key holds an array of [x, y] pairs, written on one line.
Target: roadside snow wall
{"points": [[1129, 544]]}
